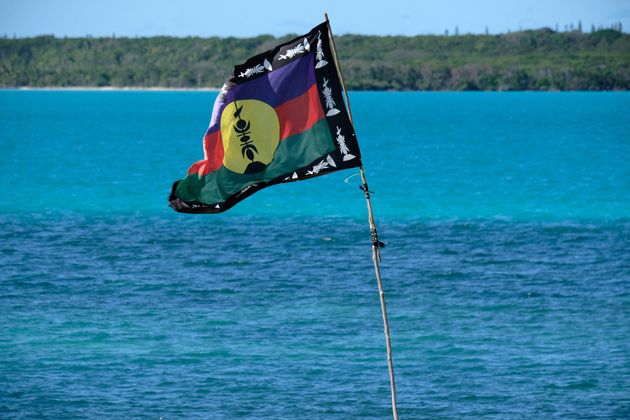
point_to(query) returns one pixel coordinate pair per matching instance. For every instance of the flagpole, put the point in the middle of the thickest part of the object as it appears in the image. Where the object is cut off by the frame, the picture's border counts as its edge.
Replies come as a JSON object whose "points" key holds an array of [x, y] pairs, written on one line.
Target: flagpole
{"points": [[376, 244]]}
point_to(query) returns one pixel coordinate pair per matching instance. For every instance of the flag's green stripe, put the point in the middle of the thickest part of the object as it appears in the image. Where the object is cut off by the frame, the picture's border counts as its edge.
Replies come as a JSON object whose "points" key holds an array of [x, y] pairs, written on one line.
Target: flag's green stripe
{"points": [[293, 153]]}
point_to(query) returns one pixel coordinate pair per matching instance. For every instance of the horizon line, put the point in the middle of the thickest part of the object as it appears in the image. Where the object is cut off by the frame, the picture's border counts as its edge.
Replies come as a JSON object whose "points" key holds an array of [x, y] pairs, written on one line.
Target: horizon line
{"points": [[447, 33]]}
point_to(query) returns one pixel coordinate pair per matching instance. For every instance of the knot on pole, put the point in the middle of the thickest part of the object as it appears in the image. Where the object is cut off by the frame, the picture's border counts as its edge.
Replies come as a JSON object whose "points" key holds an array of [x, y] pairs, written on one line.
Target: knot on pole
{"points": [[364, 188], [378, 243], [375, 242]]}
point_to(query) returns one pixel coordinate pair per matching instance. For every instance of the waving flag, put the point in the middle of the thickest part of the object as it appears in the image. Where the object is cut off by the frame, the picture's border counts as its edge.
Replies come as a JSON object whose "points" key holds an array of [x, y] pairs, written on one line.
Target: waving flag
{"points": [[280, 118]]}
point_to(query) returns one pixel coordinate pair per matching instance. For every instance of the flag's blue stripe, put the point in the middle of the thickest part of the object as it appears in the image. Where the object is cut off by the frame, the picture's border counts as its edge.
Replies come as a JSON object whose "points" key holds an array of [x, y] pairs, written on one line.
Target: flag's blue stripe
{"points": [[275, 88]]}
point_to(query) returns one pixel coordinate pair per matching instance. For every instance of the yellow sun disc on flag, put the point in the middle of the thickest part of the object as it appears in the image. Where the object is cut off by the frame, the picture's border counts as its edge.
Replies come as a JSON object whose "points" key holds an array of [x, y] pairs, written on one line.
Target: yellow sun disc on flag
{"points": [[250, 131]]}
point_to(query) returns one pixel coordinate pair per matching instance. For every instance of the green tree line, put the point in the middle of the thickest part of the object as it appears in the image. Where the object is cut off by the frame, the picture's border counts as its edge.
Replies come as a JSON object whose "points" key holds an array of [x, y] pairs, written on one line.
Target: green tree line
{"points": [[527, 60]]}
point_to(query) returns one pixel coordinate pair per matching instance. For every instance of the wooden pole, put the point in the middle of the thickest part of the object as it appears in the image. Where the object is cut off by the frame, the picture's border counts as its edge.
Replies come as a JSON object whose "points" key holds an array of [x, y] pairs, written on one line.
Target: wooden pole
{"points": [[376, 244]]}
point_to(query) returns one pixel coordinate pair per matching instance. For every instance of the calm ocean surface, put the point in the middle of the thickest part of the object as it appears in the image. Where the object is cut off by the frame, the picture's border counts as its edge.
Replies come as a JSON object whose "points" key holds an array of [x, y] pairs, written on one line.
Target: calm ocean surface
{"points": [[506, 272]]}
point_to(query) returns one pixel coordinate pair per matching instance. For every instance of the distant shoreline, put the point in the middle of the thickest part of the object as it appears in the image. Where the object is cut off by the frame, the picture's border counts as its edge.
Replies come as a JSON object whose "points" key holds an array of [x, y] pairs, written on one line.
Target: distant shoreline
{"points": [[113, 88], [536, 60], [212, 89]]}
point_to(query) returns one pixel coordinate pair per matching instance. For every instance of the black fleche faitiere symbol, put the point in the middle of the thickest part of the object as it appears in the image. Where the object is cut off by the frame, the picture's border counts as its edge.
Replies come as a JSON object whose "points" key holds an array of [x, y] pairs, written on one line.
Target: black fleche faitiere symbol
{"points": [[242, 129]]}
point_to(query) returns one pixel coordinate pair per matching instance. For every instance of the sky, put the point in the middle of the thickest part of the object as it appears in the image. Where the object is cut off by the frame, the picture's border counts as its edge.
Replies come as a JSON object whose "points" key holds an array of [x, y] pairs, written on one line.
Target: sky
{"points": [[243, 18]]}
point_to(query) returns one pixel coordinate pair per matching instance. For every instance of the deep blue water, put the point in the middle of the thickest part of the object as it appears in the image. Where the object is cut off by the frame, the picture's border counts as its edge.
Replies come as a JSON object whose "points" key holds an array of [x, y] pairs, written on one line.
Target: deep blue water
{"points": [[506, 271]]}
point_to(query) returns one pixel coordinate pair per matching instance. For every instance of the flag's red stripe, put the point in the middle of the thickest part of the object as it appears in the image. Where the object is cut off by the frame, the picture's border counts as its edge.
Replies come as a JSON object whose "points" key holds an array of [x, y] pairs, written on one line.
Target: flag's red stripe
{"points": [[213, 153], [295, 116], [299, 114]]}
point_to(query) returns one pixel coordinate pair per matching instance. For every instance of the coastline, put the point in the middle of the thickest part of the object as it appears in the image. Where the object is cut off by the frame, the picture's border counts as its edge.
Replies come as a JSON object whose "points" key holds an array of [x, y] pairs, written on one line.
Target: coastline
{"points": [[216, 89], [540, 59]]}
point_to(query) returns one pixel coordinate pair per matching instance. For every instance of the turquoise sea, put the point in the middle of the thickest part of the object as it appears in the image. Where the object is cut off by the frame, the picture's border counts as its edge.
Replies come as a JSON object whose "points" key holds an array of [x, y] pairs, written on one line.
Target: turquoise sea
{"points": [[507, 267]]}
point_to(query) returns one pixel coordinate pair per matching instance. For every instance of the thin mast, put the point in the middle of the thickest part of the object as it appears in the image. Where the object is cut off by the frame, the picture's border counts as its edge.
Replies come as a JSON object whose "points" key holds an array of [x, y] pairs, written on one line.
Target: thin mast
{"points": [[376, 244]]}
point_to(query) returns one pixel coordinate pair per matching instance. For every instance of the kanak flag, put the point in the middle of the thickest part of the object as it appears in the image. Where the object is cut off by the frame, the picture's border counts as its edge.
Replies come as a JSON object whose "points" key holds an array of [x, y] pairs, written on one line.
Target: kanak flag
{"points": [[280, 118]]}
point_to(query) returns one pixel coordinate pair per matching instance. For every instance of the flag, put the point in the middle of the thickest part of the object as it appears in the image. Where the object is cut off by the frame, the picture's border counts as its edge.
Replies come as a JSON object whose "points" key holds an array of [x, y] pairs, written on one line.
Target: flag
{"points": [[280, 118]]}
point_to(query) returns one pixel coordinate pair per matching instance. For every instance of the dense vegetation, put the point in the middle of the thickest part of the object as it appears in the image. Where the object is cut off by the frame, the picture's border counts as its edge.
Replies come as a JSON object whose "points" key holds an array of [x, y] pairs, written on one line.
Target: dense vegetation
{"points": [[527, 60]]}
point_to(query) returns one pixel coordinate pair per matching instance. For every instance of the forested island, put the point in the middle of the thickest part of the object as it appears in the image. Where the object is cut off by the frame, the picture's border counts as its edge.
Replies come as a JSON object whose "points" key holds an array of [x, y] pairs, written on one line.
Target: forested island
{"points": [[526, 60]]}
